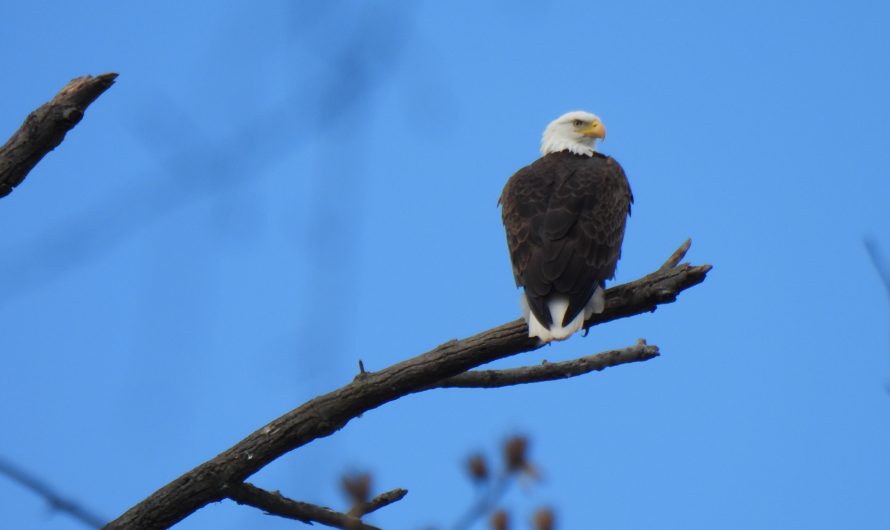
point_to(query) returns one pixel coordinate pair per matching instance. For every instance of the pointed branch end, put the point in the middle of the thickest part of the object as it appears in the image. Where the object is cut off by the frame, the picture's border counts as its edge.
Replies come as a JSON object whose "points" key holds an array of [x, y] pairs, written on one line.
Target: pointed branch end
{"points": [[644, 350], [82, 91], [384, 499], [678, 255]]}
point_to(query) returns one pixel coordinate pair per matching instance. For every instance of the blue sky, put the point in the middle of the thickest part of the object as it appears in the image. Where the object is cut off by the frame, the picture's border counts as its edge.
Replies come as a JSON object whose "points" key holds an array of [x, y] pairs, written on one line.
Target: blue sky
{"points": [[271, 192]]}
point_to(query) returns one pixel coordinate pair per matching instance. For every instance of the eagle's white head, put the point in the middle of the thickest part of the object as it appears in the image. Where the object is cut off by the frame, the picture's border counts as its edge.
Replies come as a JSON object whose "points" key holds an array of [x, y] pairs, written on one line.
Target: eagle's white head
{"points": [[574, 131]]}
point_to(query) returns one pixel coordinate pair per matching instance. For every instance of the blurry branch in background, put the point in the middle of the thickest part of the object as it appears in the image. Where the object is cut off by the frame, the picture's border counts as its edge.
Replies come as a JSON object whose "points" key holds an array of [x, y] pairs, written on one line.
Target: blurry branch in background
{"points": [[324, 415], [882, 266], [515, 464], [57, 502], [45, 128], [880, 263], [198, 168]]}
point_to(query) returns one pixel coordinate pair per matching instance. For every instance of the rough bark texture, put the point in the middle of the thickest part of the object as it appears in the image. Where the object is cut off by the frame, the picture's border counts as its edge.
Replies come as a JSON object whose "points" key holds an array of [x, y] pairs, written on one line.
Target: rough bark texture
{"points": [[328, 413], [45, 128]]}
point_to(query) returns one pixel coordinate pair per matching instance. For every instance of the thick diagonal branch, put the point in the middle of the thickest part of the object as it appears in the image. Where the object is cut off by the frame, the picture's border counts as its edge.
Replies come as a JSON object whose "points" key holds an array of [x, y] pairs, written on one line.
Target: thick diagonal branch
{"points": [[277, 504], [45, 128], [549, 371], [328, 413]]}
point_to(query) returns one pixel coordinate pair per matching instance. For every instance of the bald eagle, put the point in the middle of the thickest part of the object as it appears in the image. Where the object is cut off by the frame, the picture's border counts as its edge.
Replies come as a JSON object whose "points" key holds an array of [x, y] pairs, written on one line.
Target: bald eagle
{"points": [[564, 216]]}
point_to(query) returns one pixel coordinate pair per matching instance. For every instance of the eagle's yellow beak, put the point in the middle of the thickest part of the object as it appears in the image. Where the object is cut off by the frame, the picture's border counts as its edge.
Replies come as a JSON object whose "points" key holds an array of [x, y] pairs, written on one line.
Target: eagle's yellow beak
{"points": [[596, 129]]}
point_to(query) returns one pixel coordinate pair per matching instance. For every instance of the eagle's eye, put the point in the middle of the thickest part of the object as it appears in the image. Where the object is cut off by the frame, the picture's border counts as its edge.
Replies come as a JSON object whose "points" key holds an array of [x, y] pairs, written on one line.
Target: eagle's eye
{"points": [[577, 123]]}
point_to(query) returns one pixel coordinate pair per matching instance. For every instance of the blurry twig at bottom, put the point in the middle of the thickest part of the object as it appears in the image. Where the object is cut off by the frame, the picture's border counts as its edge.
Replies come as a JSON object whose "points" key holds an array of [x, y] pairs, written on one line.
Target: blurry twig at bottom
{"points": [[515, 465], [56, 500], [883, 268], [880, 263]]}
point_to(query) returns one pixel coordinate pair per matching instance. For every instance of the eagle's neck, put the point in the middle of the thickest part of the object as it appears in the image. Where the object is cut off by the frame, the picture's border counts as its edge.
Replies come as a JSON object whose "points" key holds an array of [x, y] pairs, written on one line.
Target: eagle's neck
{"points": [[555, 144]]}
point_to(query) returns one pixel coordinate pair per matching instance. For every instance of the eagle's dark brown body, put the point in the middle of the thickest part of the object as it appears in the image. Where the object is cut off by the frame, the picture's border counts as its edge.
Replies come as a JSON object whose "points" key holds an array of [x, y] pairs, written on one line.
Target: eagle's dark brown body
{"points": [[565, 216]]}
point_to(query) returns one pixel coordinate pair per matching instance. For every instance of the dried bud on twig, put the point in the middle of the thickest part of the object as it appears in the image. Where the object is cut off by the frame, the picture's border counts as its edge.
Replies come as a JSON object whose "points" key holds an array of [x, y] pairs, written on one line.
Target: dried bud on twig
{"points": [[515, 454], [544, 519], [357, 487], [478, 468], [500, 520]]}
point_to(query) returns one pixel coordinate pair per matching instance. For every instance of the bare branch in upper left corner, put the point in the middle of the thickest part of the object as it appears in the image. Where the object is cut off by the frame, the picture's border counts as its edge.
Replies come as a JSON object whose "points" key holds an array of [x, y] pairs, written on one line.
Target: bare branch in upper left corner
{"points": [[45, 128]]}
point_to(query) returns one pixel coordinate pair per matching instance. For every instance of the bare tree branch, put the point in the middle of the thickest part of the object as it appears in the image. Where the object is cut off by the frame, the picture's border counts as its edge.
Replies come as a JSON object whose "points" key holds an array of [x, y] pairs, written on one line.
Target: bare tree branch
{"points": [[550, 371], [678, 255], [45, 128], [55, 499], [326, 414], [275, 503], [384, 499]]}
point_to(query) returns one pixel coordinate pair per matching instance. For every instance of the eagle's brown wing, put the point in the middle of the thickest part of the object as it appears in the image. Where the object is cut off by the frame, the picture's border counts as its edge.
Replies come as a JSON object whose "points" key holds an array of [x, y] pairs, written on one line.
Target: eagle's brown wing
{"points": [[565, 216]]}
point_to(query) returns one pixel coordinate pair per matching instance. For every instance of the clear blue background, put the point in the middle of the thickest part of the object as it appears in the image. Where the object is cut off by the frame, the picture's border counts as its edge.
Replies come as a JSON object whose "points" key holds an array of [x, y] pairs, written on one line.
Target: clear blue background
{"points": [[272, 191]]}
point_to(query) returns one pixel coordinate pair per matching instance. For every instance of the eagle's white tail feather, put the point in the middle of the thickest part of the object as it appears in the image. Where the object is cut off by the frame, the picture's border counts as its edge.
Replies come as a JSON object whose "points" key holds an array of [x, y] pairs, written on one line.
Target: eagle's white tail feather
{"points": [[558, 307]]}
